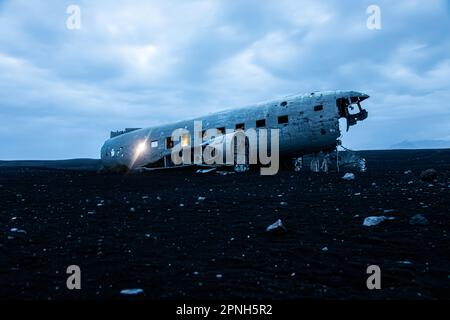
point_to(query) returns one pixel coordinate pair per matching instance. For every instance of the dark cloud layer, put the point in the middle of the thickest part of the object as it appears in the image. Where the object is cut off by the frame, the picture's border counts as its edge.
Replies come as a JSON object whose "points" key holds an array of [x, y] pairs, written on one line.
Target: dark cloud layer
{"points": [[139, 63]]}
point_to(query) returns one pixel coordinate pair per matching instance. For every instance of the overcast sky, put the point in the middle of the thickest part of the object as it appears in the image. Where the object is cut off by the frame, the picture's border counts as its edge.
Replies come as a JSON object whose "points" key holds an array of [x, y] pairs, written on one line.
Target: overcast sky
{"points": [[141, 63]]}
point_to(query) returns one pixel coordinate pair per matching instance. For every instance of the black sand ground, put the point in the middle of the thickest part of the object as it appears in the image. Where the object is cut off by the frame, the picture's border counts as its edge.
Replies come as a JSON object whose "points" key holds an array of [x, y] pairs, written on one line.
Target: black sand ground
{"points": [[152, 232]]}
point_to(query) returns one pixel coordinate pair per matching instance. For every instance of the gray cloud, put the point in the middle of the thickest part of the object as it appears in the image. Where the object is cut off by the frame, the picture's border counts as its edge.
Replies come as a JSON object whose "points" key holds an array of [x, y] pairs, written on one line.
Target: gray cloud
{"points": [[145, 62]]}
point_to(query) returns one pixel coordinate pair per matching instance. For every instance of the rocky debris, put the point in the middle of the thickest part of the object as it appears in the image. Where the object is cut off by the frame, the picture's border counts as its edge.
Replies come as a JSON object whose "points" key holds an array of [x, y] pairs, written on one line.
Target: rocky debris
{"points": [[131, 292], [428, 175], [348, 176], [418, 219], [201, 198], [408, 172], [352, 160], [151, 236], [239, 168], [224, 173], [373, 221], [17, 230], [276, 228]]}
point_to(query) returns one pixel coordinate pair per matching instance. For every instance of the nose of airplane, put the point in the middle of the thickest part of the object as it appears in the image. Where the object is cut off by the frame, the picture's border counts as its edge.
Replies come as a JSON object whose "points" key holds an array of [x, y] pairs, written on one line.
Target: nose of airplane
{"points": [[363, 96]]}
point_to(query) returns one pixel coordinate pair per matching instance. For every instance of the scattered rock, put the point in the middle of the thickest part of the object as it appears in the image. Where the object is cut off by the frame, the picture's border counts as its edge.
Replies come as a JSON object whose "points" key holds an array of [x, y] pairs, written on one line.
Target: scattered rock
{"points": [[132, 210], [325, 249], [408, 172], [373, 221], [240, 168], [16, 230], [276, 228], [151, 236], [131, 292], [428, 175], [418, 219], [201, 198], [224, 173], [349, 176], [219, 276]]}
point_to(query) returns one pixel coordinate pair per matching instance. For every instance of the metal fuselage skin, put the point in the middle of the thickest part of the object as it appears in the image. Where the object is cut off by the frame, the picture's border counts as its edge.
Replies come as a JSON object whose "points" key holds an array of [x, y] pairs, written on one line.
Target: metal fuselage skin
{"points": [[313, 126]]}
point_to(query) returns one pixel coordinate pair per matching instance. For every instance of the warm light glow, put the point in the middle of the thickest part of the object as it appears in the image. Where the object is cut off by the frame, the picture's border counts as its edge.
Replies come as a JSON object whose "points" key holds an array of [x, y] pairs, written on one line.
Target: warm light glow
{"points": [[141, 147], [185, 140]]}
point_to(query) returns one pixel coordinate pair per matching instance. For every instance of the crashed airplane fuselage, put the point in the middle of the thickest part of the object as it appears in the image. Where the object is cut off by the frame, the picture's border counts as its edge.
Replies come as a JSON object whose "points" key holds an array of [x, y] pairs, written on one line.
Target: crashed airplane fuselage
{"points": [[307, 124]]}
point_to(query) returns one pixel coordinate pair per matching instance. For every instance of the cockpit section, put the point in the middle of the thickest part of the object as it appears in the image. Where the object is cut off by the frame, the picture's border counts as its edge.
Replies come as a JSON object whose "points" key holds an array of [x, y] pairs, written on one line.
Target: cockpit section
{"points": [[350, 108]]}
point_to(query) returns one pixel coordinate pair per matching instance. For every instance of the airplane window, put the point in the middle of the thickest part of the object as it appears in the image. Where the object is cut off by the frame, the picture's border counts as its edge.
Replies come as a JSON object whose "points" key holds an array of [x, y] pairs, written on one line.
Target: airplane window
{"points": [[283, 119], [169, 143], [261, 123], [283, 104], [185, 140], [240, 126], [154, 144], [318, 108]]}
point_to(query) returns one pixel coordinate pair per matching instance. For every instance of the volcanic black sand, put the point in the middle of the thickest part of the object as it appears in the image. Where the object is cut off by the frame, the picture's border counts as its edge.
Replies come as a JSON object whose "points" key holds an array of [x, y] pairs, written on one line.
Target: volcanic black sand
{"points": [[152, 231]]}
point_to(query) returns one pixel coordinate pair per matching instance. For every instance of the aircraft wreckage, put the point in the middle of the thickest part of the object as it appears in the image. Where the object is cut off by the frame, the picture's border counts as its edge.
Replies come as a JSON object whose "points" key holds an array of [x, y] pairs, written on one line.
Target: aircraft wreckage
{"points": [[288, 128]]}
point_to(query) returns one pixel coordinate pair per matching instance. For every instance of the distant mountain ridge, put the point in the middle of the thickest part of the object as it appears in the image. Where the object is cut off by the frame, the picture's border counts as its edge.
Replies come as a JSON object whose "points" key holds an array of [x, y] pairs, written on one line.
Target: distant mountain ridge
{"points": [[422, 144], [69, 164]]}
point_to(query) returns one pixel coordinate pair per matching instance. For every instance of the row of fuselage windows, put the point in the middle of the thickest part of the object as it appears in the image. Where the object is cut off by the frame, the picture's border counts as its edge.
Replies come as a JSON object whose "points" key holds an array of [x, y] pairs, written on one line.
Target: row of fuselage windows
{"points": [[240, 126]]}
